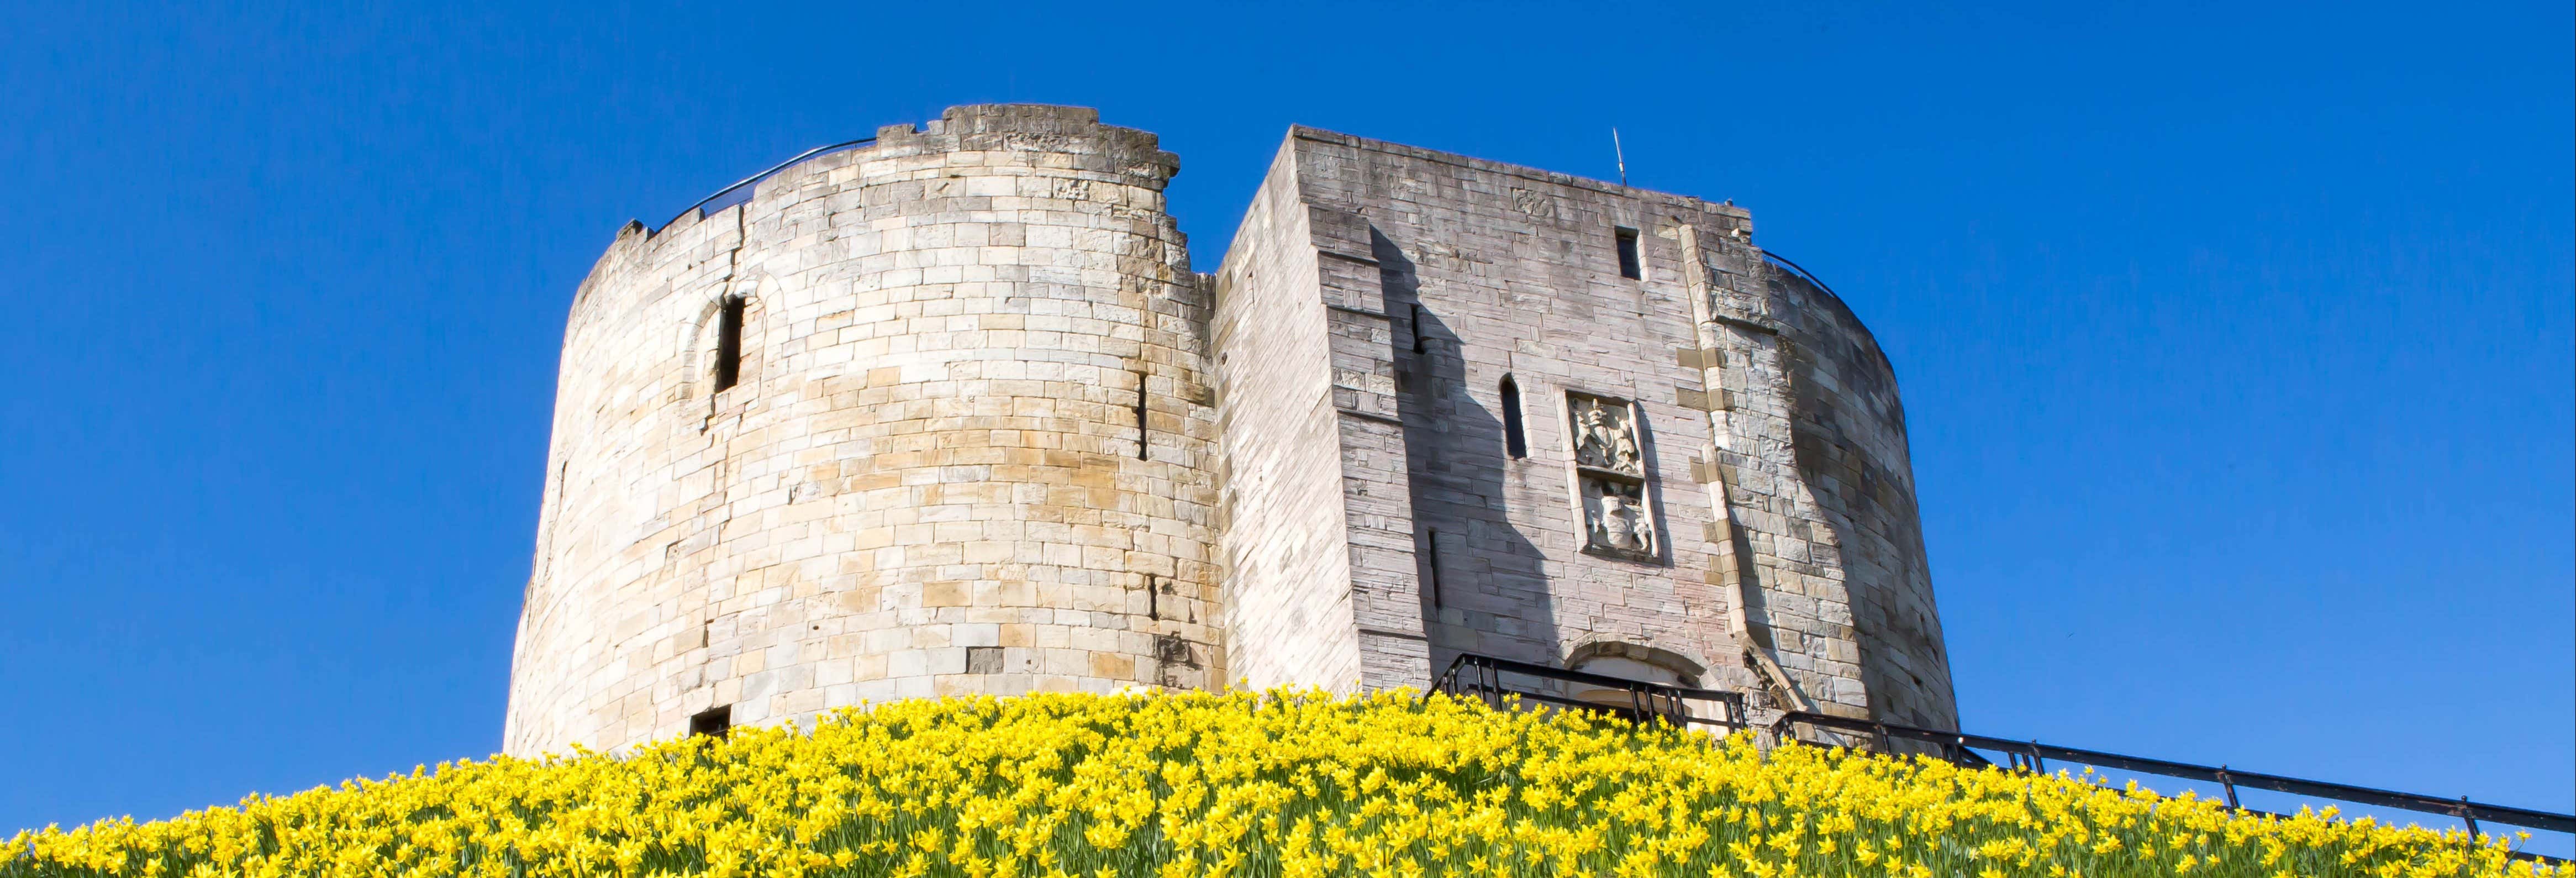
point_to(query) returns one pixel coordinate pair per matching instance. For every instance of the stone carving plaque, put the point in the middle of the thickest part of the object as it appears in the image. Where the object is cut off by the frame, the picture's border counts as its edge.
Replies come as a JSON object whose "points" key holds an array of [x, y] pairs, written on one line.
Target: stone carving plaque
{"points": [[1605, 436], [1610, 473], [1614, 517], [1537, 204]]}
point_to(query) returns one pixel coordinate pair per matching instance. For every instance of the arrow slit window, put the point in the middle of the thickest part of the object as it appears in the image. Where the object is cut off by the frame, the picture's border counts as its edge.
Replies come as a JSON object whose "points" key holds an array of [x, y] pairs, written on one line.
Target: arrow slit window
{"points": [[1611, 488]]}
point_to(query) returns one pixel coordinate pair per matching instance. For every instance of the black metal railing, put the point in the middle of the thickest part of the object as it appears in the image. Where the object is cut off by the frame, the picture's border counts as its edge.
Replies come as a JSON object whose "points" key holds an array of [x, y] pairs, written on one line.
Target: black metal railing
{"points": [[741, 190], [1484, 677], [2034, 756], [1802, 272], [1490, 679]]}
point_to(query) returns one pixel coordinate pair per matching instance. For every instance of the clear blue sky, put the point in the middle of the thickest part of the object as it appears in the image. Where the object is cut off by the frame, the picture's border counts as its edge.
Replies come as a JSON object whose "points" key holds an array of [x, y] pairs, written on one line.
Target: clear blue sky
{"points": [[2235, 340]]}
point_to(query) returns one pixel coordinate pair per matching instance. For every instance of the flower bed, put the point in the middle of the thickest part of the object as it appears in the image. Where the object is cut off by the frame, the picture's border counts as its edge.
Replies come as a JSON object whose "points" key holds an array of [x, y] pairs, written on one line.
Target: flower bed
{"points": [[1279, 783]]}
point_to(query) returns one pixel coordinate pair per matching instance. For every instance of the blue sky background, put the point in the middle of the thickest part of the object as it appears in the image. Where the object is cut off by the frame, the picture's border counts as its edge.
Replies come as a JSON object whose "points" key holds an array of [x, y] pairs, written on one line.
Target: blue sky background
{"points": [[2235, 340]]}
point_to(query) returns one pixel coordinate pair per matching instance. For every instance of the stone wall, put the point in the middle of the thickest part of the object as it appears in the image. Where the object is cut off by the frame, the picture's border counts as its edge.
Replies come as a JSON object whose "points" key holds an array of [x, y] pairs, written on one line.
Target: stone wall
{"points": [[1287, 591], [1849, 443], [929, 478], [1770, 544], [991, 435]]}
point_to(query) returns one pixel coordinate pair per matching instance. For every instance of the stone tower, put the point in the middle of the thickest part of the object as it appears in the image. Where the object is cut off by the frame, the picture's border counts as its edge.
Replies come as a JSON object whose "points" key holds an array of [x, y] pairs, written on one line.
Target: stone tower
{"points": [[919, 417], [1469, 407], [948, 412]]}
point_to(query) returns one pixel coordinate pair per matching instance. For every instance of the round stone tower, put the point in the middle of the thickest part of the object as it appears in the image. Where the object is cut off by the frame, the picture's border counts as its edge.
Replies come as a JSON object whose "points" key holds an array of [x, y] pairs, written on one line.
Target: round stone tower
{"points": [[920, 416]]}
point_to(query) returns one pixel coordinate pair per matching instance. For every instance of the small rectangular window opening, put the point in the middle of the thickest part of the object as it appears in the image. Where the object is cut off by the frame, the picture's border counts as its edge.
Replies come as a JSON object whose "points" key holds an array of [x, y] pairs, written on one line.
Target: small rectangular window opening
{"points": [[715, 721], [1629, 267], [1515, 442], [729, 344], [1416, 311]]}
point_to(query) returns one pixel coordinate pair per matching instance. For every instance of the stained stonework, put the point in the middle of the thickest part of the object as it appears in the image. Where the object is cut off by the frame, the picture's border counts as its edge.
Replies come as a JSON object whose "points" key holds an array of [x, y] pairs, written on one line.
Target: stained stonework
{"points": [[981, 430]]}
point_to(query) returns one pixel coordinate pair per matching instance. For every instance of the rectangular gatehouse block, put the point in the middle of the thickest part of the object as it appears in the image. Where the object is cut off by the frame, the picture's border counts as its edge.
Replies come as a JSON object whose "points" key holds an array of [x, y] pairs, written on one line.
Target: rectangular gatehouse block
{"points": [[1757, 531]]}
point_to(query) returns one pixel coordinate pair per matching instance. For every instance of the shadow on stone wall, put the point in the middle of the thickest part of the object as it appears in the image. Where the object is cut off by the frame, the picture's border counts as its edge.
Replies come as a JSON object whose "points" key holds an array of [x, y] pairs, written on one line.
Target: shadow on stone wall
{"points": [[1485, 586]]}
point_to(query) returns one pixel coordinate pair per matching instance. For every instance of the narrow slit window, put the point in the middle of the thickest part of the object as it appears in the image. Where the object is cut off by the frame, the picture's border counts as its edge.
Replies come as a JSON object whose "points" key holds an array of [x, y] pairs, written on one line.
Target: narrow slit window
{"points": [[1144, 441], [1515, 442], [1431, 560], [715, 721], [1418, 346], [729, 344], [1629, 266]]}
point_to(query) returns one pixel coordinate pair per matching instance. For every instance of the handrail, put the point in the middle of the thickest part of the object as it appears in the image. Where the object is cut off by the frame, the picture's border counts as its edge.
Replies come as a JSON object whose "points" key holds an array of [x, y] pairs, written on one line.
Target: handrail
{"points": [[1802, 272], [1481, 676], [1572, 676], [1656, 700], [2229, 778], [763, 175]]}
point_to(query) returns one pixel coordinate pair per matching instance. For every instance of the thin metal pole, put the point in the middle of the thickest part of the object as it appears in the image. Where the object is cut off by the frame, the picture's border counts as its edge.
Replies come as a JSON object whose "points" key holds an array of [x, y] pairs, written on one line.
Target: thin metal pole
{"points": [[1622, 153]]}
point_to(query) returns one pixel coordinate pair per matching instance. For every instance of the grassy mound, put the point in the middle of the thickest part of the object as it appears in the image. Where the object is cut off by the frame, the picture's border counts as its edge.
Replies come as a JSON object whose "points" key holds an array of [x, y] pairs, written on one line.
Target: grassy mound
{"points": [[1282, 783]]}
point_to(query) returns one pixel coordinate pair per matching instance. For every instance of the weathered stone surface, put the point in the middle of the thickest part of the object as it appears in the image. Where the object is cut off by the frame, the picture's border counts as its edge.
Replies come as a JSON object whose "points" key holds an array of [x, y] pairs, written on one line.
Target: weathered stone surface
{"points": [[929, 477], [992, 435]]}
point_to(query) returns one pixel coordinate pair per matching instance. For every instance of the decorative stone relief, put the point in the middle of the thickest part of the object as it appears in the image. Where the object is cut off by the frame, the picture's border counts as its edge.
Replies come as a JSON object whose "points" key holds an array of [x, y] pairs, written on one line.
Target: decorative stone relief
{"points": [[1536, 204], [1605, 436], [1610, 473]]}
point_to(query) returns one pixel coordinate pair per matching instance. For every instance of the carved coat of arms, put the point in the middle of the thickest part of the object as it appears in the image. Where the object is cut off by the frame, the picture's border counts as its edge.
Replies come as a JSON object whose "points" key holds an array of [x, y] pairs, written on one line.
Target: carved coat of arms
{"points": [[1611, 471]]}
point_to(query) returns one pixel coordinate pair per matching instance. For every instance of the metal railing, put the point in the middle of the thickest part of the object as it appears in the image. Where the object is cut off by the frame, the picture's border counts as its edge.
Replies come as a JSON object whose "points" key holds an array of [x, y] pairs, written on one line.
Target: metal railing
{"points": [[1802, 272], [1485, 678], [741, 190], [1481, 677], [2033, 756]]}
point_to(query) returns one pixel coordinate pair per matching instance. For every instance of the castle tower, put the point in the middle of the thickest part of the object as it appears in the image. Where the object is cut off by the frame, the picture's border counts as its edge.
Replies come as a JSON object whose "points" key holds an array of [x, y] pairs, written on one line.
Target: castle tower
{"points": [[918, 417], [947, 412]]}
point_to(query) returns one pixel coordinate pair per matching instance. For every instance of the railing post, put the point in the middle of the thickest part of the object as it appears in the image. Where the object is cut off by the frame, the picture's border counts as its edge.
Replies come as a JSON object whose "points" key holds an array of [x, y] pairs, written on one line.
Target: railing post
{"points": [[2229, 783]]}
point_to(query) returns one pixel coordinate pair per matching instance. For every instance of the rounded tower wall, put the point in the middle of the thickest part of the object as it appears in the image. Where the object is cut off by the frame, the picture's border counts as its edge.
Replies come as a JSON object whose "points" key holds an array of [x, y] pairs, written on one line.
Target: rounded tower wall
{"points": [[930, 476], [1847, 436]]}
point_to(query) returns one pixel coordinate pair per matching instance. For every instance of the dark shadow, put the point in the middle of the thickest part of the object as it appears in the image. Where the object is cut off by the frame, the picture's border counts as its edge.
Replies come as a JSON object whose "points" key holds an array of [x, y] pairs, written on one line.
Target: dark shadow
{"points": [[1484, 583], [1655, 498]]}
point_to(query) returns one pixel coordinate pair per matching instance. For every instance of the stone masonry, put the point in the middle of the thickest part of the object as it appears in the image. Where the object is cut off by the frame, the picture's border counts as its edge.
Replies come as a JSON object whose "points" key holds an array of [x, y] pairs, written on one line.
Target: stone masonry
{"points": [[949, 413]]}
